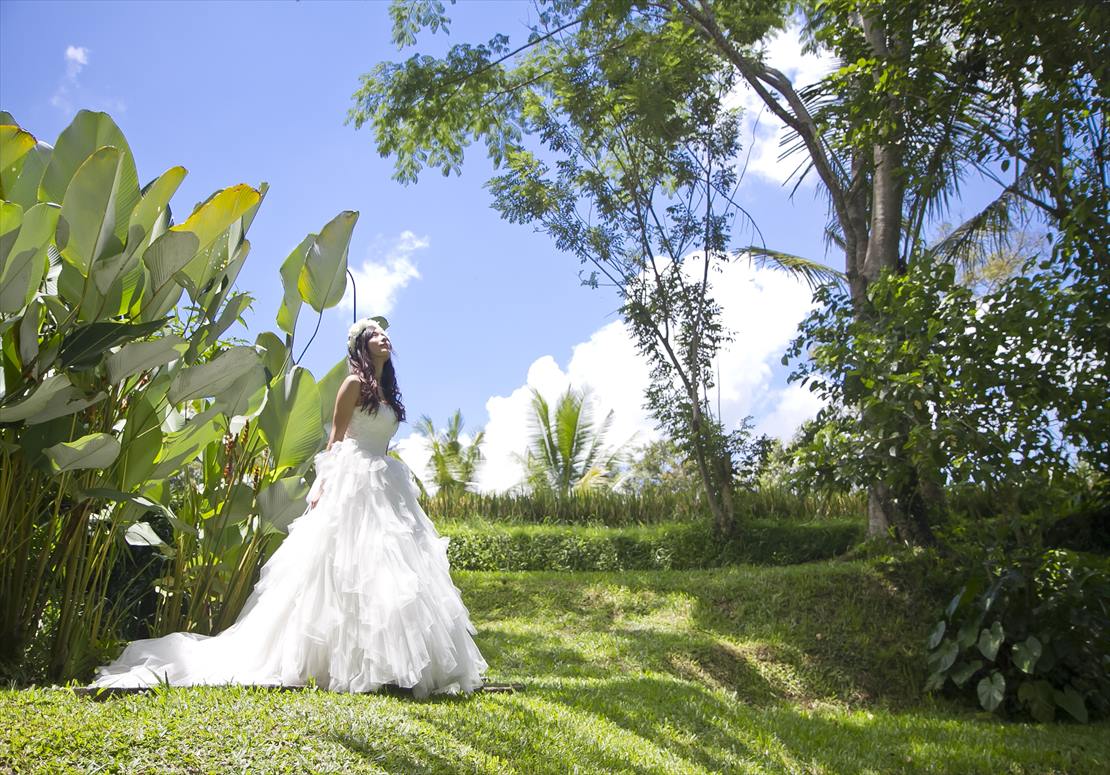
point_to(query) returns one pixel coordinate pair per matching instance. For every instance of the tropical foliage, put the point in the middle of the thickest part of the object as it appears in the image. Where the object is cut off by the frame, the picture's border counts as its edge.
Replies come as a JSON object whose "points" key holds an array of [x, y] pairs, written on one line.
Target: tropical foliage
{"points": [[126, 419], [569, 452], [453, 463]]}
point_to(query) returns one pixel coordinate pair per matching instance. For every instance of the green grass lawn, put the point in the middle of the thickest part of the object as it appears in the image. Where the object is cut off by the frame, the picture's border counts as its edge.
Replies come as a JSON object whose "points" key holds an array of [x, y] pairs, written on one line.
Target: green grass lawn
{"points": [[808, 668]]}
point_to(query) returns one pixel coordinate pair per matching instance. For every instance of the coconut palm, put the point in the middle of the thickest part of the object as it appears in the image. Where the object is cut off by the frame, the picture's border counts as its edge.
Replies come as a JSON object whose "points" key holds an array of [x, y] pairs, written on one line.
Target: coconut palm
{"points": [[568, 452], [453, 463]]}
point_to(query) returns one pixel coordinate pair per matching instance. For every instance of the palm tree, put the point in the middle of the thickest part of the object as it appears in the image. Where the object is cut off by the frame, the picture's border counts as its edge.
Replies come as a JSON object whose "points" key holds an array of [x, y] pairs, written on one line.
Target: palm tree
{"points": [[567, 452], [453, 463]]}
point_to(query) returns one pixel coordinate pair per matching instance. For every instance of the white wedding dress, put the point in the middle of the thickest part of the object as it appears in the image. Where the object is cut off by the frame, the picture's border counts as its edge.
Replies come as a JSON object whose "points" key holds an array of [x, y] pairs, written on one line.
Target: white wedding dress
{"points": [[358, 595]]}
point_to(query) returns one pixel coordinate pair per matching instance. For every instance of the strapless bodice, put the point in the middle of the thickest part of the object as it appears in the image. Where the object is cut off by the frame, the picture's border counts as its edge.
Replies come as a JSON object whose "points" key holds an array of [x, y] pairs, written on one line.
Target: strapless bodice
{"points": [[372, 432]]}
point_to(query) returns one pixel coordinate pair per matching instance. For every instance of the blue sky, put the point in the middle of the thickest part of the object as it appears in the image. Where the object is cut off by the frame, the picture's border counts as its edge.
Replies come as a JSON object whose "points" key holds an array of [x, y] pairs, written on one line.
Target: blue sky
{"points": [[479, 308]]}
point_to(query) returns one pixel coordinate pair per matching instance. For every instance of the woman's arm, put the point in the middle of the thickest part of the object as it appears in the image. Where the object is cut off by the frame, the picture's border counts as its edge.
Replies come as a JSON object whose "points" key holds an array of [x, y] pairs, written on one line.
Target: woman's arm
{"points": [[346, 400]]}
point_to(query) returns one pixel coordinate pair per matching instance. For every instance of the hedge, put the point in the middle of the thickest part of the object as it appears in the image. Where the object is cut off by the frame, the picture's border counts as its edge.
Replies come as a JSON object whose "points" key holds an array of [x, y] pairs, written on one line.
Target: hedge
{"points": [[662, 547]]}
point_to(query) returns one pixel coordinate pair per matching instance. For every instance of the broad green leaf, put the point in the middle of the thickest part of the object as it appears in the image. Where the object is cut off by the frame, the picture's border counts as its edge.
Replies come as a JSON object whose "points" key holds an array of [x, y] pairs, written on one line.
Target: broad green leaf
{"points": [[140, 356], [88, 132], [11, 218], [290, 274], [214, 377], [209, 334], [96, 450], [1038, 697], [55, 397], [329, 389], [142, 443], [140, 226], [26, 265], [29, 331], [991, 690], [244, 397], [274, 353], [962, 672], [290, 420], [183, 446], [281, 502], [1027, 653], [936, 634], [84, 346], [86, 229], [990, 640], [223, 280], [323, 278], [1072, 701], [15, 144], [24, 191], [942, 658]]}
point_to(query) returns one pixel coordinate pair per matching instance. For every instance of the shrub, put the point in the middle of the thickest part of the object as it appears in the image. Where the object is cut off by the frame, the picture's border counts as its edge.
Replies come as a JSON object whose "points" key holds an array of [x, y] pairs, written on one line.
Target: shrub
{"points": [[668, 547], [1030, 633]]}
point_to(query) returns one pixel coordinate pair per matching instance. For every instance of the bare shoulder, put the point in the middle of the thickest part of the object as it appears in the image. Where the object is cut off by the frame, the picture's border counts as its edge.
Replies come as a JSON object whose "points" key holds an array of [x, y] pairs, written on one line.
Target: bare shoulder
{"points": [[351, 386]]}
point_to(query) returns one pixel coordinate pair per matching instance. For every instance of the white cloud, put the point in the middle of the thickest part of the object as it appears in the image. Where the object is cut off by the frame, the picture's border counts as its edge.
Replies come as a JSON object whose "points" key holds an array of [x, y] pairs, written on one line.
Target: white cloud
{"points": [[762, 130], [761, 306], [76, 58], [379, 281]]}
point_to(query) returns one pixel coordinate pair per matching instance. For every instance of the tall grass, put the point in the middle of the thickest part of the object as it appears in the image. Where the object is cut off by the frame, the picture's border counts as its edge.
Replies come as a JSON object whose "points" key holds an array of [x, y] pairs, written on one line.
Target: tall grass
{"points": [[648, 507]]}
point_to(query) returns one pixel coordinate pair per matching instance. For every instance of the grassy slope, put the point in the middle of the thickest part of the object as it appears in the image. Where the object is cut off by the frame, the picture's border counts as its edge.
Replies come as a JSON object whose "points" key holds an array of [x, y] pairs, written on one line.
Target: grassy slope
{"points": [[812, 668]]}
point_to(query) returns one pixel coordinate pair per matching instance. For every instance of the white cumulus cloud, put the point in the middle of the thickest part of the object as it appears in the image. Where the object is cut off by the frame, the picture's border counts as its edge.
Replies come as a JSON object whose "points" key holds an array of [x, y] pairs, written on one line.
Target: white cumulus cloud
{"points": [[762, 308], [379, 280]]}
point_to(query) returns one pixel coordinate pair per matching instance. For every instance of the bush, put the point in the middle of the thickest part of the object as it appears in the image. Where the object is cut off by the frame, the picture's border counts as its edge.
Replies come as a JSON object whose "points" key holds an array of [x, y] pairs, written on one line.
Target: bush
{"points": [[1031, 633], [666, 547]]}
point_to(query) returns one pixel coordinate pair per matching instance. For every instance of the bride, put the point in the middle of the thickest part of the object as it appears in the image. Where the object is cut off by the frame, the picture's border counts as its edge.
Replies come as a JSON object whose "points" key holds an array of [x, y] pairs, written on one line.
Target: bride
{"points": [[359, 594]]}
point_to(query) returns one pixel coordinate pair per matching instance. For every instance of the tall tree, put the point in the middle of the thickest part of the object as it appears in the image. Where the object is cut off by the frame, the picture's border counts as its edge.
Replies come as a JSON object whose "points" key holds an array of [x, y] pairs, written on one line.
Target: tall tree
{"points": [[926, 92], [637, 179], [453, 462]]}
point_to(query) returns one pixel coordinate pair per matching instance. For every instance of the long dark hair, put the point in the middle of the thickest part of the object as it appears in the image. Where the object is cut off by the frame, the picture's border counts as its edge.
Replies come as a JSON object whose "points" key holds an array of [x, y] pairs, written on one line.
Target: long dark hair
{"points": [[361, 365]]}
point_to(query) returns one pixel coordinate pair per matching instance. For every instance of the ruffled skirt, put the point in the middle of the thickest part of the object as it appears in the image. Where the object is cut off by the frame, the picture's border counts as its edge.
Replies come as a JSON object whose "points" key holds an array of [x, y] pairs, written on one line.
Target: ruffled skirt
{"points": [[358, 595]]}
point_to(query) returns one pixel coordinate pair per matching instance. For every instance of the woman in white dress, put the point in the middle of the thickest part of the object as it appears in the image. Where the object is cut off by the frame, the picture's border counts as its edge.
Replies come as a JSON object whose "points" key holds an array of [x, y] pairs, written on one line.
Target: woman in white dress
{"points": [[359, 594]]}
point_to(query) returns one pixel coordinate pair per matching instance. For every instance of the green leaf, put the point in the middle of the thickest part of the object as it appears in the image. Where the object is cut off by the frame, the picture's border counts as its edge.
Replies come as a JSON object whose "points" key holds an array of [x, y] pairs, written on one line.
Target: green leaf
{"points": [[15, 144], [141, 356], [84, 346], [963, 671], [96, 450], [991, 690], [323, 278], [142, 442], [290, 274], [281, 502], [273, 355], [936, 635], [1027, 653], [54, 397], [87, 133], [214, 377], [1072, 701], [942, 658], [183, 446], [141, 231], [329, 389], [1038, 697], [245, 396], [25, 267], [290, 421], [11, 218], [990, 640], [24, 191], [86, 229]]}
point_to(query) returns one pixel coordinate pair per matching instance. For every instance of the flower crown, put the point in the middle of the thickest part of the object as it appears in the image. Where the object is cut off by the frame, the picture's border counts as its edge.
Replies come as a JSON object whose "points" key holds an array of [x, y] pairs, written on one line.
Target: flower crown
{"points": [[365, 324]]}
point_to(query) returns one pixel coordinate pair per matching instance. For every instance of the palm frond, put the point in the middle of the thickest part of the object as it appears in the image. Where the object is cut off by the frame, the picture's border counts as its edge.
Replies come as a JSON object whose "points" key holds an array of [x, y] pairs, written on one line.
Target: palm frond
{"points": [[813, 272], [987, 232]]}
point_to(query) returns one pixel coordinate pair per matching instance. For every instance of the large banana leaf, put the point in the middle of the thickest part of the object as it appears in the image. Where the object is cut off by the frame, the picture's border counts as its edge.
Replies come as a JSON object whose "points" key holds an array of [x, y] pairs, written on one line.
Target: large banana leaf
{"points": [[244, 397], [323, 278], [11, 218], [54, 397], [86, 230], [140, 356], [96, 450], [329, 389], [290, 274], [80, 140], [26, 263], [25, 189], [183, 446], [85, 346], [291, 419], [15, 144], [140, 227], [281, 502], [142, 442], [214, 377]]}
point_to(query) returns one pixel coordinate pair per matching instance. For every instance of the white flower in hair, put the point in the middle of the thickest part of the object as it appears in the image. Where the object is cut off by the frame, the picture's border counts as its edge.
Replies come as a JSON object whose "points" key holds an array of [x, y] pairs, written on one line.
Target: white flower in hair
{"points": [[364, 325]]}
